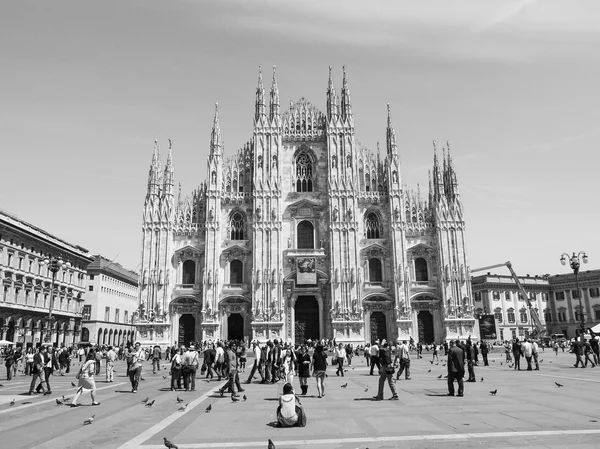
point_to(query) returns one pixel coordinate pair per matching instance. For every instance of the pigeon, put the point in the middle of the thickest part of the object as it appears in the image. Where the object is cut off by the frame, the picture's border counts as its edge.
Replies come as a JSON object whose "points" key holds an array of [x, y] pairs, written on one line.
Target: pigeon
{"points": [[151, 403], [141, 378], [245, 398], [482, 379], [352, 368], [183, 409], [209, 408], [493, 361], [440, 376], [271, 445], [500, 363], [235, 399], [1, 385], [164, 377], [65, 399], [145, 400], [559, 385], [431, 361], [58, 402], [541, 360], [445, 377], [73, 384], [345, 385], [169, 444], [179, 399], [89, 420], [25, 403], [493, 392], [366, 389], [345, 370], [429, 371], [12, 402]]}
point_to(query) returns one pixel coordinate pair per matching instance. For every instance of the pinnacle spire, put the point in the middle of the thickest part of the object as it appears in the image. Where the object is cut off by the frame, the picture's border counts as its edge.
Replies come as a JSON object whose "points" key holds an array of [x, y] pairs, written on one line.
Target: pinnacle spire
{"points": [[169, 182], [346, 103], [215, 138], [392, 147], [332, 110], [274, 105], [154, 175], [260, 107]]}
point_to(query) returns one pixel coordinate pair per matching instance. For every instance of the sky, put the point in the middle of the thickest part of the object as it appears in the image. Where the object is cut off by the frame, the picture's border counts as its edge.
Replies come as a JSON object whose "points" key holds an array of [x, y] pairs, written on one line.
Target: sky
{"points": [[513, 85]]}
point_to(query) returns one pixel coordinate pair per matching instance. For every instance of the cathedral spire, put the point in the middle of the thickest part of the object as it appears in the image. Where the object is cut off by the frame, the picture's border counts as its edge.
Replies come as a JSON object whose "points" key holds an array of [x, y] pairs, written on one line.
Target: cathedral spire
{"points": [[392, 148], [332, 111], [438, 176], [154, 175], [451, 177], [274, 105], [260, 106], [215, 137], [169, 182], [346, 103]]}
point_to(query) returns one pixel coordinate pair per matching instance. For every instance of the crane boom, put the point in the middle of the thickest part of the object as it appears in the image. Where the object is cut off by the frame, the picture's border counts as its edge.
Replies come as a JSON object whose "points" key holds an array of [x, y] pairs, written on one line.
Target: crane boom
{"points": [[540, 330]]}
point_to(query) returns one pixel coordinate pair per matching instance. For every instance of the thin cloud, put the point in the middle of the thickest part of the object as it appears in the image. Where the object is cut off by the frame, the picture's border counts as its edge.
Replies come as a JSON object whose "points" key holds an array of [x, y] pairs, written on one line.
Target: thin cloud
{"points": [[504, 16]]}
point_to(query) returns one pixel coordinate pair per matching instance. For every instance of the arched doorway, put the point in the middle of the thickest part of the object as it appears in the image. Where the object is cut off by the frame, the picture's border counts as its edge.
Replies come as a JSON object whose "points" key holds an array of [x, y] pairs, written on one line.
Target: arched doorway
{"points": [[10, 332], [425, 325], [187, 329], [306, 325], [378, 326], [235, 327]]}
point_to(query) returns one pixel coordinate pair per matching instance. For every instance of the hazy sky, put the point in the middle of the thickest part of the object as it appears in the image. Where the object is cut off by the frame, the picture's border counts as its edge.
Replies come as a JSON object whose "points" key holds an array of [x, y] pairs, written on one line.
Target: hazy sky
{"points": [[86, 87]]}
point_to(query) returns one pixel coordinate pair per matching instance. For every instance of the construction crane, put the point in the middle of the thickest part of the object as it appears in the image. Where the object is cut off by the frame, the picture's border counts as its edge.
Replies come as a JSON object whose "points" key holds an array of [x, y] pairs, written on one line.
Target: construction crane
{"points": [[540, 329]]}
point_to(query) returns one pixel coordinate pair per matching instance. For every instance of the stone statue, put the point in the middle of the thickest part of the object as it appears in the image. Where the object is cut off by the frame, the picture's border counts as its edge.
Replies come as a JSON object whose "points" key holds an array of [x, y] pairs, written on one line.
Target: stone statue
{"points": [[289, 242], [267, 277], [335, 213], [321, 243], [145, 277], [161, 278], [349, 214], [281, 276], [359, 278], [274, 276], [273, 214], [258, 213], [395, 176], [352, 276], [213, 178], [211, 214], [397, 213]]}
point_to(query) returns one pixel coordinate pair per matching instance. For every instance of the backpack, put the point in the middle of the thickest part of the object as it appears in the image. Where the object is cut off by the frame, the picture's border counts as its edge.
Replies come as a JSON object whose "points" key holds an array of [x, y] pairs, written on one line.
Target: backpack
{"points": [[263, 354]]}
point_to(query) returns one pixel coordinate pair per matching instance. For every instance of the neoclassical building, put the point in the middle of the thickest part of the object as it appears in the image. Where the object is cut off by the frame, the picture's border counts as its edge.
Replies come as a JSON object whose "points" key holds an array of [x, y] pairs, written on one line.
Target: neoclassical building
{"points": [[304, 233]]}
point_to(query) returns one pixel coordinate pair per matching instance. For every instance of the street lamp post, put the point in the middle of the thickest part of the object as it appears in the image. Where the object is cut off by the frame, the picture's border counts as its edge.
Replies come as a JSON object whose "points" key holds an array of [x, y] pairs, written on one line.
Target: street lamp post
{"points": [[574, 262], [54, 265]]}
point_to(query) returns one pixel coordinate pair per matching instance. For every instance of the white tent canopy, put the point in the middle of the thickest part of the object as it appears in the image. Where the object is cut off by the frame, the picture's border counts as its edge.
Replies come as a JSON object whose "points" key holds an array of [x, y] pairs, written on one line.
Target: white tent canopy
{"points": [[596, 329]]}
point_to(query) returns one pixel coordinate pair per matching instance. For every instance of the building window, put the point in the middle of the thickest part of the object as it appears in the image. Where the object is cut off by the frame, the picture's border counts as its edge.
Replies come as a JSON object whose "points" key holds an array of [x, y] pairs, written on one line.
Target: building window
{"points": [[523, 316], [87, 312], [91, 288], [547, 317], [545, 297], [511, 316], [189, 272], [560, 296], [496, 296], [498, 314], [10, 256], [578, 316], [421, 274], [372, 226], [117, 315], [574, 294], [507, 296], [236, 272], [107, 314], [306, 238], [304, 173], [375, 272], [91, 277], [520, 296], [237, 226], [532, 296], [594, 292], [126, 317], [597, 314], [562, 316], [477, 296]]}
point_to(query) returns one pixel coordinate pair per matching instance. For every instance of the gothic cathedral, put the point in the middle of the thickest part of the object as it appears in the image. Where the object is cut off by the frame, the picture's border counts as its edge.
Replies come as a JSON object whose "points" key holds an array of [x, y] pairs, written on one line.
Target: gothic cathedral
{"points": [[304, 234]]}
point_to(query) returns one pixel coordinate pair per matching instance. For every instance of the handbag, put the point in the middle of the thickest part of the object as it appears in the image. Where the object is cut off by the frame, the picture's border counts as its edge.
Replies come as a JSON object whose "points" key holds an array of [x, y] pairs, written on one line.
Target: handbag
{"points": [[203, 368], [389, 369]]}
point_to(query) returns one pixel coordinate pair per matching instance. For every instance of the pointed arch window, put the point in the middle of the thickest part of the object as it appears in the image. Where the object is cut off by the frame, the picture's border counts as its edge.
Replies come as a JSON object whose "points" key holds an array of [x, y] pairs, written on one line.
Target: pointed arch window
{"points": [[304, 173], [372, 226], [237, 226], [375, 271], [306, 235], [421, 274], [236, 272], [189, 272]]}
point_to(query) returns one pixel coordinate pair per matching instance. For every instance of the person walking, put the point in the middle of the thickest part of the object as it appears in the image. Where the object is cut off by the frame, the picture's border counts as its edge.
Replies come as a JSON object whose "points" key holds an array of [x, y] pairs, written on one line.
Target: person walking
{"points": [[304, 369], [255, 366], [220, 360], [435, 353], [63, 361], [349, 353], [587, 350], [534, 353], [29, 362], [9, 361], [50, 364], [288, 364], [456, 368], [230, 367], [516, 350], [403, 360], [209, 360], [86, 379], [386, 372], [484, 353], [111, 357], [470, 353], [340, 354], [367, 354], [38, 370], [176, 369], [374, 357], [135, 370], [578, 349], [156, 358], [527, 351], [190, 367], [319, 368]]}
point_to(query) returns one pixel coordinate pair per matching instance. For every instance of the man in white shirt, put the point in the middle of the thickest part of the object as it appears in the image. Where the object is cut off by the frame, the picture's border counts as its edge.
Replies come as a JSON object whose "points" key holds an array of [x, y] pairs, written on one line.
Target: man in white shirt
{"points": [[527, 350], [375, 356], [219, 360], [534, 352], [403, 360], [256, 351], [111, 356], [135, 370]]}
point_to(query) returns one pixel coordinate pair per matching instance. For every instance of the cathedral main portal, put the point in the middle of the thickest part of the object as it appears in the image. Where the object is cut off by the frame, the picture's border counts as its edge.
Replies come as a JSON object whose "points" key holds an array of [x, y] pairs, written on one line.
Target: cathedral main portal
{"points": [[306, 325], [425, 325], [187, 329], [235, 327]]}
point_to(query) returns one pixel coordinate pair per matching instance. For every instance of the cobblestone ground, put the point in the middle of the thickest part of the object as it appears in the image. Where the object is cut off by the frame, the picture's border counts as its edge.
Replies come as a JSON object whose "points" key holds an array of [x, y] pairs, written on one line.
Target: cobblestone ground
{"points": [[529, 410]]}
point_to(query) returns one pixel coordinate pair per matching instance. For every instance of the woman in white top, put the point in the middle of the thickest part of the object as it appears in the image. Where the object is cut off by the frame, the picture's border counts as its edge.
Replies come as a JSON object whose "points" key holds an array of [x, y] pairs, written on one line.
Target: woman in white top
{"points": [[86, 379], [288, 365], [29, 362], [290, 412]]}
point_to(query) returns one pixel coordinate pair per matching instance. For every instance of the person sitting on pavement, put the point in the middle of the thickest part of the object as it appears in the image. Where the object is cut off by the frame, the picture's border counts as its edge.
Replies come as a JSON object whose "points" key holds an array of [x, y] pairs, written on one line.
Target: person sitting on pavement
{"points": [[290, 412]]}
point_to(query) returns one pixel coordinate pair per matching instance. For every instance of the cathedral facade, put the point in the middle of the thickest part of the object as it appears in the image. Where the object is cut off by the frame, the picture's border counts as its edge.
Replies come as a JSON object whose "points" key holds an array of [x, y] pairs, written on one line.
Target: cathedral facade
{"points": [[304, 234]]}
